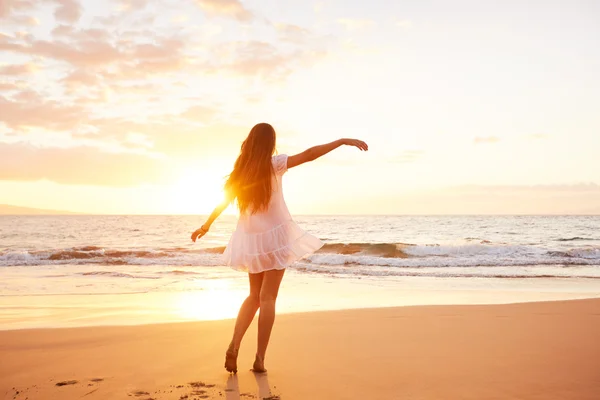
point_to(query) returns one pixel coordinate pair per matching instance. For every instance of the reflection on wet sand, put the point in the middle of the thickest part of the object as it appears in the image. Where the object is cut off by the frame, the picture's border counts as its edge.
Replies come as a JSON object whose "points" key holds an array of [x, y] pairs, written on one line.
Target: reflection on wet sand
{"points": [[232, 391], [264, 389]]}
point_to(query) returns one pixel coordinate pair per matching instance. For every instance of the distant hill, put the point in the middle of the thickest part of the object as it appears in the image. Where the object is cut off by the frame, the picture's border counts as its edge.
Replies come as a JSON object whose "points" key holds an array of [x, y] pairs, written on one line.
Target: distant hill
{"points": [[6, 209]]}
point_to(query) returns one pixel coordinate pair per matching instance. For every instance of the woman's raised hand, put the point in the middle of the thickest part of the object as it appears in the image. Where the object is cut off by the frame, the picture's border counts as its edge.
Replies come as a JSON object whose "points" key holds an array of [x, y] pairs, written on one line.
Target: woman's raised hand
{"points": [[356, 143]]}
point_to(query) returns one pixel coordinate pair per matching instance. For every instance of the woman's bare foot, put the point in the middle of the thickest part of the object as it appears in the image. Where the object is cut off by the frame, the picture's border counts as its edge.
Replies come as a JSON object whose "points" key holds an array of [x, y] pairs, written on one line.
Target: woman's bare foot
{"points": [[259, 365], [231, 359]]}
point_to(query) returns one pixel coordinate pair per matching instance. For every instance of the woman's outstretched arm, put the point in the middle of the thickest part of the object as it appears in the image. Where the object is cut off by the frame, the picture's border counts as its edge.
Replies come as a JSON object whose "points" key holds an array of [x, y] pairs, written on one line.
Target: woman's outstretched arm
{"points": [[318, 151], [198, 233]]}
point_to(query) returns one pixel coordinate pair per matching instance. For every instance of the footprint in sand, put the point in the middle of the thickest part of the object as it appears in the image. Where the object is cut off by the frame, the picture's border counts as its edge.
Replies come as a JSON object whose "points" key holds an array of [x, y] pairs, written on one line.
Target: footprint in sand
{"points": [[65, 383], [19, 393], [199, 384], [140, 393], [199, 389]]}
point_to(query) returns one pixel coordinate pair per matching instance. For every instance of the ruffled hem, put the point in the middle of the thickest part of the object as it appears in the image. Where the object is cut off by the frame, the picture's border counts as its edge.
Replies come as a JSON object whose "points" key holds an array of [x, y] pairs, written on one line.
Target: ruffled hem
{"points": [[277, 248]]}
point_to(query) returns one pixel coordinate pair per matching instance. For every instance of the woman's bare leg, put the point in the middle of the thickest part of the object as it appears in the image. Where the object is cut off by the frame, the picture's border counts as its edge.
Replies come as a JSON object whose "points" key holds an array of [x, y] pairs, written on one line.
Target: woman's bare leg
{"points": [[243, 321], [268, 297]]}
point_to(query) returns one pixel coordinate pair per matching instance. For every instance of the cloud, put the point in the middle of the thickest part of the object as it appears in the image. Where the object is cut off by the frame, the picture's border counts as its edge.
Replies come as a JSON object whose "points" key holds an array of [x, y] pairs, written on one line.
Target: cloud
{"points": [[62, 30], [81, 53], [78, 166], [130, 5], [27, 96], [31, 110], [92, 49], [180, 136], [68, 11], [163, 49], [255, 58], [486, 139], [81, 77], [140, 61], [173, 135], [199, 113], [21, 20], [262, 59], [70, 33], [18, 69], [7, 7], [355, 24], [225, 8], [5, 41], [135, 54], [101, 92], [8, 86], [142, 69]]}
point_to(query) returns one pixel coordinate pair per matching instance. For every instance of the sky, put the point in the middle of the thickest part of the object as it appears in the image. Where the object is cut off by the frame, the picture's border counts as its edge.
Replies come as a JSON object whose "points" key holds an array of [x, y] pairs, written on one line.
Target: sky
{"points": [[140, 106]]}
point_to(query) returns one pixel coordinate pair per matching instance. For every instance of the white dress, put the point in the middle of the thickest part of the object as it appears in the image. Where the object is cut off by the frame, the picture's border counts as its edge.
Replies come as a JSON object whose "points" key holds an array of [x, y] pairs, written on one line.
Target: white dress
{"points": [[269, 239]]}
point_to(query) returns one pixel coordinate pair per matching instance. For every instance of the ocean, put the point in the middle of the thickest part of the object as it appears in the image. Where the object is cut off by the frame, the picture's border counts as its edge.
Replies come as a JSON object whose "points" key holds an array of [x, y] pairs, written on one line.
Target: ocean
{"points": [[126, 255]]}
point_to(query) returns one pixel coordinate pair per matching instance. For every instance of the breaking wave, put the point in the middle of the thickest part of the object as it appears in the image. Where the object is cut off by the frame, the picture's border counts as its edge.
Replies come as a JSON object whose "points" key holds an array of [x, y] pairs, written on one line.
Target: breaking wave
{"points": [[482, 253]]}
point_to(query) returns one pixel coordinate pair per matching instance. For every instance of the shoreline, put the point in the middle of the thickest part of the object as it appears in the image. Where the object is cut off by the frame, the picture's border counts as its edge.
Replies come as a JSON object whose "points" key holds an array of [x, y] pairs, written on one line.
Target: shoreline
{"points": [[299, 293], [299, 313], [535, 350]]}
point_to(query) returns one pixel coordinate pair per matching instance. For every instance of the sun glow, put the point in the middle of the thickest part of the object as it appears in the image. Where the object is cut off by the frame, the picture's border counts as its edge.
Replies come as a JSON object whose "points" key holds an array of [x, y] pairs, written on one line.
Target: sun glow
{"points": [[219, 300], [194, 193]]}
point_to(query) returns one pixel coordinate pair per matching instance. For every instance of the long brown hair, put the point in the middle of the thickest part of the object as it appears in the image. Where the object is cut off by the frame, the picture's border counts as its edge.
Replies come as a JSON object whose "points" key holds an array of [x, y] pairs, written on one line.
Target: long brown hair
{"points": [[250, 180]]}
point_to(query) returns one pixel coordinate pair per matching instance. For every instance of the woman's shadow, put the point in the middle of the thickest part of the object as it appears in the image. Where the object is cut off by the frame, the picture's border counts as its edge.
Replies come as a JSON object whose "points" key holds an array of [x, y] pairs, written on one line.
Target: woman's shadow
{"points": [[232, 391]]}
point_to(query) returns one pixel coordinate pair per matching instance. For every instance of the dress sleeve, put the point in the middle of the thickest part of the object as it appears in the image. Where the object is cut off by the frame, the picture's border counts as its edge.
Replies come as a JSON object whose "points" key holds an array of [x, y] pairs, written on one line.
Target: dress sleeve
{"points": [[280, 164]]}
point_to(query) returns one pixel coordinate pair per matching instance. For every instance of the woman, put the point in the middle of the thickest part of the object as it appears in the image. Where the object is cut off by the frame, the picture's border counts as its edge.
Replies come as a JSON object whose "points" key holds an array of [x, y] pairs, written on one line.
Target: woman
{"points": [[266, 240]]}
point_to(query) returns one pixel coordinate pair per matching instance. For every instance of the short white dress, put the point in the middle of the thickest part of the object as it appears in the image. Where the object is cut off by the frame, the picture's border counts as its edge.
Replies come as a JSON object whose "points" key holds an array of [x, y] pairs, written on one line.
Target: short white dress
{"points": [[269, 239]]}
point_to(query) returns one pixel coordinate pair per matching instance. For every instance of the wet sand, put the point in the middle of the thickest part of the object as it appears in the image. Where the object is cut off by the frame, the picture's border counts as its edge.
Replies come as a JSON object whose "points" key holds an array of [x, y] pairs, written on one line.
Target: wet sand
{"points": [[546, 350]]}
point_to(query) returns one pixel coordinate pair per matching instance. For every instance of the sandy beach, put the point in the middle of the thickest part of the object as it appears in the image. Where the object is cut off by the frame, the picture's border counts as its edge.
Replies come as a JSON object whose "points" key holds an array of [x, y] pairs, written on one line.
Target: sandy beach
{"points": [[545, 350]]}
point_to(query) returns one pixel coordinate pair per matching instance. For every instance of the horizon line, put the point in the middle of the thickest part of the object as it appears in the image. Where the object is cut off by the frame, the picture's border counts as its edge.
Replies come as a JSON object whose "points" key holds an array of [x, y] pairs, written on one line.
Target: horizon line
{"points": [[77, 214]]}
